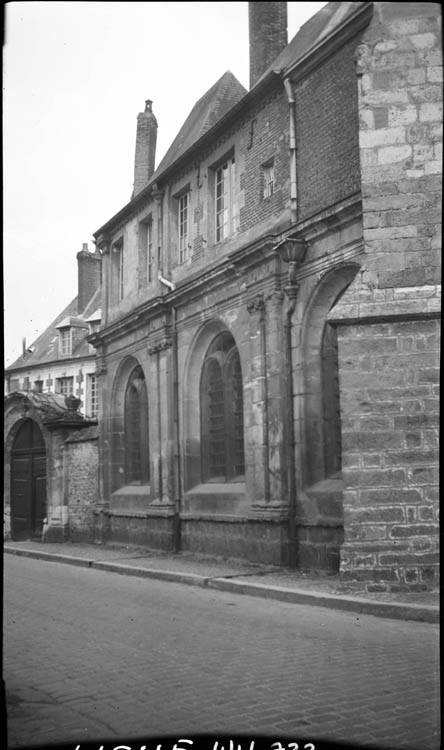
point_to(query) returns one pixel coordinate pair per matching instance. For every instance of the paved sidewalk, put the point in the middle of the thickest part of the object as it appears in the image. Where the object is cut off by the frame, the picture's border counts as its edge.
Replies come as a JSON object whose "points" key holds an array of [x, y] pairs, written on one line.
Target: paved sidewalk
{"points": [[237, 577]]}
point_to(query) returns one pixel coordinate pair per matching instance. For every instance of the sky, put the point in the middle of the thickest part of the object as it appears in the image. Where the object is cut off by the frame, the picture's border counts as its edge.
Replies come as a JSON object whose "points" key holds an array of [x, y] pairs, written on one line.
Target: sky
{"points": [[75, 76]]}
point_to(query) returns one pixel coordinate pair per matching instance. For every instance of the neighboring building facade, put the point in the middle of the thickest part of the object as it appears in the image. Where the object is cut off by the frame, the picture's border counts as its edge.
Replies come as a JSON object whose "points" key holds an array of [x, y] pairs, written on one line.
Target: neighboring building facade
{"points": [[268, 357], [61, 360], [50, 449]]}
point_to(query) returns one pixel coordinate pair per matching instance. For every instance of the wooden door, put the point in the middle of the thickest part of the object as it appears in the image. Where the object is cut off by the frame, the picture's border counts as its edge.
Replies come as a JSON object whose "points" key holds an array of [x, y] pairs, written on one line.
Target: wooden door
{"points": [[28, 482]]}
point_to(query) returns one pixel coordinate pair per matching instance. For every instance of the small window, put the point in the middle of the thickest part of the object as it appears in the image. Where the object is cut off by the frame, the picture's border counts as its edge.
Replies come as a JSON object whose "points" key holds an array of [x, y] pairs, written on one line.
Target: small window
{"points": [[183, 227], [65, 386], [65, 342], [268, 180], [38, 386], [225, 207]]}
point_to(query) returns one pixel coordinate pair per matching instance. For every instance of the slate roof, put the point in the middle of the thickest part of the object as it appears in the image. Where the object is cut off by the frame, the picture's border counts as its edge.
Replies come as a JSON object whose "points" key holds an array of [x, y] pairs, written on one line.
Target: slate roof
{"points": [[207, 111], [228, 91], [46, 347], [311, 33]]}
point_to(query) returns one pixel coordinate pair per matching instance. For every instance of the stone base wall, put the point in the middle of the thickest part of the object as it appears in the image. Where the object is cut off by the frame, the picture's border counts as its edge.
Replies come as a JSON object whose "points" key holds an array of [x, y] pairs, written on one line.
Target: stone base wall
{"points": [[256, 541], [319, 547], [153, 532]]}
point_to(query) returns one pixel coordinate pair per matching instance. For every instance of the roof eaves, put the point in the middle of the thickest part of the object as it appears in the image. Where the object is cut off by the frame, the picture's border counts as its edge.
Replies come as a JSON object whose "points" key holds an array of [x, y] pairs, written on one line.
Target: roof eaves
{"points": [[363, 10]]}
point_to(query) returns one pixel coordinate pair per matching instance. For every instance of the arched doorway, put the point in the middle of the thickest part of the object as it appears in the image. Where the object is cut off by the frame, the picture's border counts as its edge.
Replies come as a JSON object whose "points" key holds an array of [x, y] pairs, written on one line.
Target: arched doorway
{"points": [[28, 482]]}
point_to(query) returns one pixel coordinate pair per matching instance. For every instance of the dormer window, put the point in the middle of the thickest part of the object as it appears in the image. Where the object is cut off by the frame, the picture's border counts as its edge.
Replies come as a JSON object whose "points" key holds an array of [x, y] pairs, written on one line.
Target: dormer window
{"points": [[65, 342]]}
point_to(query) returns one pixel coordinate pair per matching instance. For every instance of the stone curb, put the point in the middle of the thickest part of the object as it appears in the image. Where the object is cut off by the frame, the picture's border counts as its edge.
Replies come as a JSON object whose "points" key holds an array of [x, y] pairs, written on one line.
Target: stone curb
{"points": [[393, 610]]}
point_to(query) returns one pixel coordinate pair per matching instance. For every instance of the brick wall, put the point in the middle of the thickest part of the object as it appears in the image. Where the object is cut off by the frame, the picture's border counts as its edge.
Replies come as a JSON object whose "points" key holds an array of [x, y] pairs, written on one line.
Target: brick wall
{"points": [[327, 133], [265, 138]]}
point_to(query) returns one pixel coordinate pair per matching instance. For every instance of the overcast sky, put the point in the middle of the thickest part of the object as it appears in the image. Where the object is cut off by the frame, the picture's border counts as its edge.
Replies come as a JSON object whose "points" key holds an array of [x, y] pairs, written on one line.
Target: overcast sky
{"points": [[76, 74]]}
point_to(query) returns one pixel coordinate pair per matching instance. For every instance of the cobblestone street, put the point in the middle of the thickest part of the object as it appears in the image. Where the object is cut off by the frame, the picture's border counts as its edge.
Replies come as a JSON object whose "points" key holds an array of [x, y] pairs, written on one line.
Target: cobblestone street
{"points": [[90, 655]]}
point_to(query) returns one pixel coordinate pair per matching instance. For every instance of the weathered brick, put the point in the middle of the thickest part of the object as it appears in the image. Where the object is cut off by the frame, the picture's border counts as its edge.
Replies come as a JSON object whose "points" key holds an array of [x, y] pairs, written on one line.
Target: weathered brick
{"points": [[414, 530], [375, 515], [390, 496], [371, 440]]}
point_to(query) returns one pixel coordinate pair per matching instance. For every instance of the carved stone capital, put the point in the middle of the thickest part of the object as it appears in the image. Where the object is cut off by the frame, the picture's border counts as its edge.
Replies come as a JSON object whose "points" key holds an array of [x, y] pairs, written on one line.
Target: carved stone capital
{"points": [[160, 345], [256, 304]]}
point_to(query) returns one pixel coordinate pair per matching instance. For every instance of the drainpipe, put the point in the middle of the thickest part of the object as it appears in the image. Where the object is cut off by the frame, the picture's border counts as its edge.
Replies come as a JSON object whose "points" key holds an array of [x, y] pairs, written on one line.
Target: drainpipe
{"points": [[293, 181], [170, 284], [177, 472]]}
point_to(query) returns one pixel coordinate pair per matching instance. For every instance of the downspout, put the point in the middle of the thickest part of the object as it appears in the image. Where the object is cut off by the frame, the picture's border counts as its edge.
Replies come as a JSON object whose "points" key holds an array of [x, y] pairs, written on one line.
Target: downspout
{"points": [[177, 472], [291, 292], [170, 284], [293, 180]]}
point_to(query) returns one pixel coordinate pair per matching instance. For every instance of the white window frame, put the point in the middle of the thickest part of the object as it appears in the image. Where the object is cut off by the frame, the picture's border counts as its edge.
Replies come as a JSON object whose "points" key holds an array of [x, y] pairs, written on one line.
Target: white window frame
{"points": [[68, 381], [183, 208], [149, 252], [93, 395], [224, 203], [268, 180], [65, 342]]}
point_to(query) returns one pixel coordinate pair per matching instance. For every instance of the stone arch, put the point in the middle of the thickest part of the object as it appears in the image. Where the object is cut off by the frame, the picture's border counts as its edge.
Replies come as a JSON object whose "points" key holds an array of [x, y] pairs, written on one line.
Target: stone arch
{"points": [[317, 465], [191, 397], [18, 408], [129, 370]]}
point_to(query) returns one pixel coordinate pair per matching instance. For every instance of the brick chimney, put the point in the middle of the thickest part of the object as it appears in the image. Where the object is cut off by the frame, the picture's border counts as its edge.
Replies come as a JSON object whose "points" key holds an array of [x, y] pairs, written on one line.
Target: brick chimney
{"points": [[88, 265], [268, 35], [145, 148]]}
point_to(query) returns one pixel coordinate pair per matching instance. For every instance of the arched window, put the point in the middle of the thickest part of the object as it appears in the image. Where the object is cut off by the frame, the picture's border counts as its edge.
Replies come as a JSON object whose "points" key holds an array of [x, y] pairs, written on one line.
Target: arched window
{"points": [[137, 464], [222, 415]]}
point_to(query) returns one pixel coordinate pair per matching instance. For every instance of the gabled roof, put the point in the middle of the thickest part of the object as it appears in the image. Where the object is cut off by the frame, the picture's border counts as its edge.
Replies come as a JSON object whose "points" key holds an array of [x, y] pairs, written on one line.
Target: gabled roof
{"points": [[207, 111], [311, 33], [46, 347], [227, 93]]}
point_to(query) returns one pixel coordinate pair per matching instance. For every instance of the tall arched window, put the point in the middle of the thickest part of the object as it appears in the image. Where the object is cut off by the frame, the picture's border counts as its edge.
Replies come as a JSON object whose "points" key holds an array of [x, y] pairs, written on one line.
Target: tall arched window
{"points": [[137, 463], [222, 414]]}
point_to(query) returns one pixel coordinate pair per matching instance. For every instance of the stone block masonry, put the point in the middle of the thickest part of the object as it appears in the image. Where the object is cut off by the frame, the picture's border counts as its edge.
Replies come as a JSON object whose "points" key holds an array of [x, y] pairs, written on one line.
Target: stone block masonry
{"points": [[389, 380], [389, 333]]}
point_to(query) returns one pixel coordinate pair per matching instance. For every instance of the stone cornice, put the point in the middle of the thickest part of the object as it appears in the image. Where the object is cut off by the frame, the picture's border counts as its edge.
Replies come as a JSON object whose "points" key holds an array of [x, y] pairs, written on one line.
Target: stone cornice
{"points": [[388, 305]]}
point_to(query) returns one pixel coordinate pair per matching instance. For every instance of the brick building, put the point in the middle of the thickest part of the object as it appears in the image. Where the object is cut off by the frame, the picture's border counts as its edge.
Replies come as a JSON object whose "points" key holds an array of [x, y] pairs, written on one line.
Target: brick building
{"points": [[51, 455], [268, 357]]}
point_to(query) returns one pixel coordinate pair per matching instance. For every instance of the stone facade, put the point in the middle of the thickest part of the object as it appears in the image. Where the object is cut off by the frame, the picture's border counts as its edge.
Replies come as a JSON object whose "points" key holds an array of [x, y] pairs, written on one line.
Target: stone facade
{"points": [[335, 414], [65, 488], [389, 318]]}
